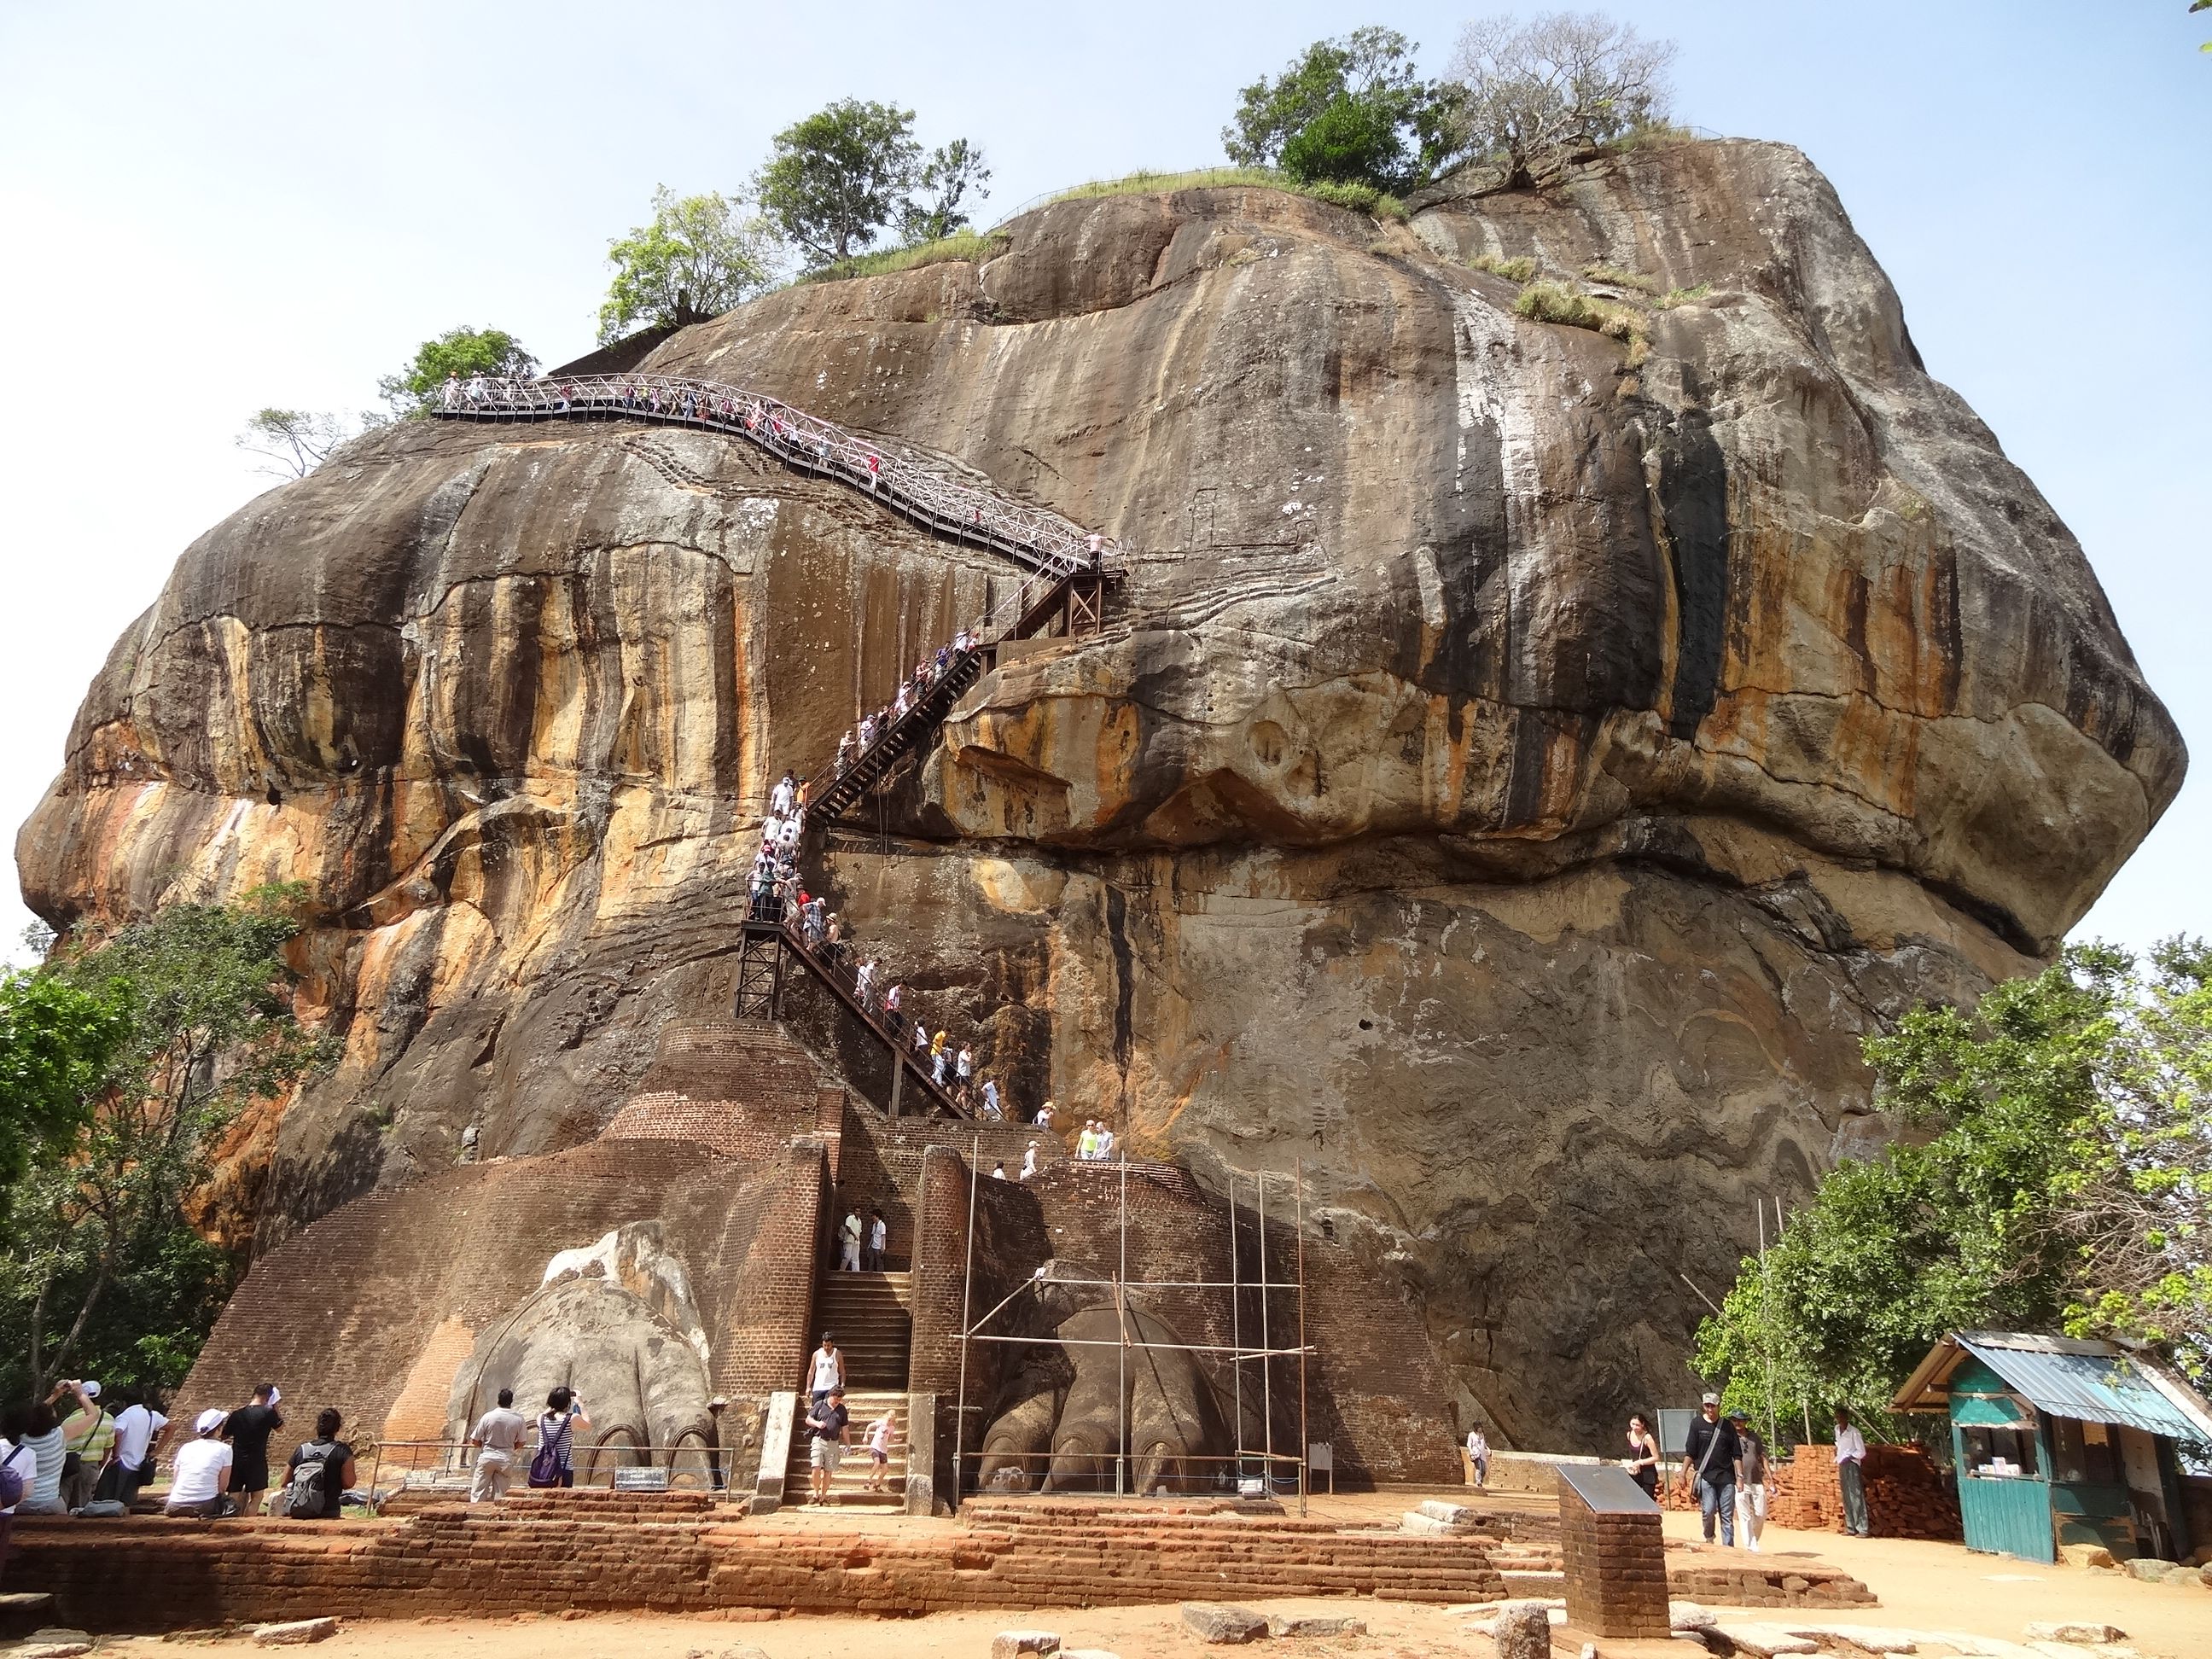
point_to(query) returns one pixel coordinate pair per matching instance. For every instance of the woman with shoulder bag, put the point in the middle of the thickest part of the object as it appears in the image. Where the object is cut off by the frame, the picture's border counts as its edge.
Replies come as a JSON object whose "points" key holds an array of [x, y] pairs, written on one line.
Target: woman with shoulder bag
{"points": [[554, 1465]]}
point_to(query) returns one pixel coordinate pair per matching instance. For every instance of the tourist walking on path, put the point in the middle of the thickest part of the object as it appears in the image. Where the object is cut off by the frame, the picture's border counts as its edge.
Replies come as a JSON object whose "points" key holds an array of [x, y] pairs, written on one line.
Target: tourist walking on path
{"points": [[848, 1235], [319, 1471], [1086, 1144], [137, 1427], [1750, 1482], [828, 1371], [1104, 1151], [1709, 1460], [1478, 1456], [496, 1437], [825, 1427], [1028, 1161], [200, 1470], [1642, 1460], [248, 1429], [555, 1465], [1850, 1475]]}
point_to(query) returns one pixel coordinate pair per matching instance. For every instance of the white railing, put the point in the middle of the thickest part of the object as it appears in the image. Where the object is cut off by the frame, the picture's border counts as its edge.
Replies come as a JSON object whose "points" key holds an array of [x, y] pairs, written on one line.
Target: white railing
{"points": [[1053, 546]]}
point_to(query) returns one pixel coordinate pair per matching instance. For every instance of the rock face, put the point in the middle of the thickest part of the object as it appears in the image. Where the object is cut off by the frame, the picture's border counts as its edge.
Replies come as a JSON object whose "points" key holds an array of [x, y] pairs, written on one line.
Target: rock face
{"points": [[1512, 780]]}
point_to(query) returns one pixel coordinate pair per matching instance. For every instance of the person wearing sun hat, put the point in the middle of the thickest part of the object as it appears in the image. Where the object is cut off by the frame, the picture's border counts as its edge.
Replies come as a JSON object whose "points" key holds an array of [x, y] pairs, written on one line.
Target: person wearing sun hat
{"points": [[200, 1470]]}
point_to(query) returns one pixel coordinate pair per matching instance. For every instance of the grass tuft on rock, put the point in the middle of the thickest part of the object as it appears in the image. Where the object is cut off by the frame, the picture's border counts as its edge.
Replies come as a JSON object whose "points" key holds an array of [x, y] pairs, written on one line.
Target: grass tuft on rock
{"points": [[1615, 276], [1353, 197], [974, 245], [1513, 270], [1555, 302], [1682, 296]]}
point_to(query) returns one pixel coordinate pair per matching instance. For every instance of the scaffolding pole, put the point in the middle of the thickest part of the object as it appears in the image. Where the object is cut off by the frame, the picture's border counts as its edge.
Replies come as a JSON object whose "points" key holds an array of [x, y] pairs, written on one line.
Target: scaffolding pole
{"points": [[1121, 1287]]}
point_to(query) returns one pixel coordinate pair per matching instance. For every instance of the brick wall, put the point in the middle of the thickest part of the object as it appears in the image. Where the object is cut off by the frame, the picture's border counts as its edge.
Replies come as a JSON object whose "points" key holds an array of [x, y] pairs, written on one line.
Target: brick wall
{"points": [[548, 1553], [1908, 1496], [1616, 1570], [344, 1313]]}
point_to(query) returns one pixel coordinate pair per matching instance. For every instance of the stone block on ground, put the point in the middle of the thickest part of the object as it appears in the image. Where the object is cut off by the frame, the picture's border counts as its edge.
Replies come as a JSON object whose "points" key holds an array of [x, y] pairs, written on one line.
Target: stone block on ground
{"points": [[1087, 1653], [295, 1632], [1293, 1625], [2086, 1555], [1424, 1526], [1871, 1638], [1012, 1644], [2150, 1569], [2086, 1635], [58, 1633], [1458, 1517], [1522, 1631], [1766, 1640], [51, 1650], [1220, 1623], [1689, 1615]]}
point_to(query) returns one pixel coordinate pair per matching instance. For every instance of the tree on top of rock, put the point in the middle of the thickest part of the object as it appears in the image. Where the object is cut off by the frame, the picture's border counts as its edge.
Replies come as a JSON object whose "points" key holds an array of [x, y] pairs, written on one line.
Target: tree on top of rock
{"points": [[835, 181], [701, 256], [1531, 90], [492, 352], [1351, 110]]}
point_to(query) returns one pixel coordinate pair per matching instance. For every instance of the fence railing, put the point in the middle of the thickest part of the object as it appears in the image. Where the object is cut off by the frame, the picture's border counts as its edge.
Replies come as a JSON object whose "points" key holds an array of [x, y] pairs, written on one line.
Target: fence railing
{"points": [[1037, 536]]}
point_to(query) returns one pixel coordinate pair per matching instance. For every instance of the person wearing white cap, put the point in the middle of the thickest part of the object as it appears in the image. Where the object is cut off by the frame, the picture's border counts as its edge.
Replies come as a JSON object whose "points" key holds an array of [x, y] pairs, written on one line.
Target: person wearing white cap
{"points": [[200, 1468], [1711, 1452], [87, 1432]]}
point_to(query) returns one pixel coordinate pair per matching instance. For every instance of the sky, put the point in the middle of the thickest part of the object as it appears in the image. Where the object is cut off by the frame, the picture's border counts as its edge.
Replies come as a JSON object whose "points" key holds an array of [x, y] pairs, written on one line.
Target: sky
{"points": [[213, 207]]}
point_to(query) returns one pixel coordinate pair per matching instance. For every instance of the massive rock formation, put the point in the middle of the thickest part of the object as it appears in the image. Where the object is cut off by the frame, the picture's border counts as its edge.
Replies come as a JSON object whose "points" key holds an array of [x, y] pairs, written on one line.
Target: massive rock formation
{"points": [[1513, 779]]}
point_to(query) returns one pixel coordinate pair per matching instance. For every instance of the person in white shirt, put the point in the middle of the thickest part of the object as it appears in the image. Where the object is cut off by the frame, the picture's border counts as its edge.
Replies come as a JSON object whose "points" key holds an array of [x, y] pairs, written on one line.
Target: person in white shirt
{"points": [[879, 1240], [498, 1432], [1477, 1455], [132, 1464], [201, 1469], [784, 797], [1104, 1150], [1044, 1115], [1028, 1161], [1851, 1454], [828, 1371], [848, 1240], [879, 1451]]}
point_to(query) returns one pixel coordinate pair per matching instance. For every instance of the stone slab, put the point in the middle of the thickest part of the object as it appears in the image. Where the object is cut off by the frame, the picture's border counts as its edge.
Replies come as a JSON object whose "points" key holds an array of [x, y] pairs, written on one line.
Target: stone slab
{"points": [[1766, 1640], [2085, 1635], [1689, 1615], [1522, 1631], [295, 1632], [1872, 1637], [1223, 1625], [1012, 1644], [1295, 1625]]}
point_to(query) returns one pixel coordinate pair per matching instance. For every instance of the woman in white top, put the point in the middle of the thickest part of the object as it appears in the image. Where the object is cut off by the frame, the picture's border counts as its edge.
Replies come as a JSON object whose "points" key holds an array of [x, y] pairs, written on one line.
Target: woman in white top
{"points": [[200, 1470]]}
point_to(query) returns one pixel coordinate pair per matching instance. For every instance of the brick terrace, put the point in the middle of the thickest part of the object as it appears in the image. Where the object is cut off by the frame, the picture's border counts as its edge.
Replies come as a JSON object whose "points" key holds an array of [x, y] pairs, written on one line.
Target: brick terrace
{"points": [[549, 1553]]}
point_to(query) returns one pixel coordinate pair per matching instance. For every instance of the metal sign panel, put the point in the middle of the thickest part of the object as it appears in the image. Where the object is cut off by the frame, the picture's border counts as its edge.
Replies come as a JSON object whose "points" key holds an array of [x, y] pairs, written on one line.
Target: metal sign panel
{"points": [[1606, 1488]]}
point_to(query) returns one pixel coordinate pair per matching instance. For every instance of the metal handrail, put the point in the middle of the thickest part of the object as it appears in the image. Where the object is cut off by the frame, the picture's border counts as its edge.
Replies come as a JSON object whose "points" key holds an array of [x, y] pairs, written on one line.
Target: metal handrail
{"points": [[1040, 538]]}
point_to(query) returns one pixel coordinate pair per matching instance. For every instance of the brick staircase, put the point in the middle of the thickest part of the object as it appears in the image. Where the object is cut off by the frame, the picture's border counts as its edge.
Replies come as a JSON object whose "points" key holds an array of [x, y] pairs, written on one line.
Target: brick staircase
{"points": [[849, 1485], [867, 1313]]}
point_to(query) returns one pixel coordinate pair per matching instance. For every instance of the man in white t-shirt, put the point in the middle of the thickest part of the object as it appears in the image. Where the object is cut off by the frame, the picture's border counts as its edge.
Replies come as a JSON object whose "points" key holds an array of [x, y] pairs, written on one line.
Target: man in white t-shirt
{"points": [[201, 1469], [497, 1435], [132, 1457], [827, 1372], [1478, 1456], [1851, 1454]]}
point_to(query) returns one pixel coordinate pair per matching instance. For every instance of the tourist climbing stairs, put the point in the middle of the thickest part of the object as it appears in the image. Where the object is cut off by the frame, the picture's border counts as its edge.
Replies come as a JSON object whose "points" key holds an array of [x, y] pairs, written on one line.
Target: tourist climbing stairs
{"points": [[868, 1314], [832, 791]]}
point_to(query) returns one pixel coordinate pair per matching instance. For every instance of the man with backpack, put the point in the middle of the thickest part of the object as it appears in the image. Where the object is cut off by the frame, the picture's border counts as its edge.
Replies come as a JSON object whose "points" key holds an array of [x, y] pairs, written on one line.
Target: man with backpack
{"points": [[318, 1473]]}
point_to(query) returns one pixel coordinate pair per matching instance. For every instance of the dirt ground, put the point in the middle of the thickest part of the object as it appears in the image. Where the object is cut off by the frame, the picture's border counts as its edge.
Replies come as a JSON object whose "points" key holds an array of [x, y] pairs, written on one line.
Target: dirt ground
{"points": [[1922, 1587]]}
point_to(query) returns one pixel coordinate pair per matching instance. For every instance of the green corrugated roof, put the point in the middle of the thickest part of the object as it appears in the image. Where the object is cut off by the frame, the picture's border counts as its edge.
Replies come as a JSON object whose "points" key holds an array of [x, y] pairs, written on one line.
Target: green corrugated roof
{"points": [[2091, 1387]]}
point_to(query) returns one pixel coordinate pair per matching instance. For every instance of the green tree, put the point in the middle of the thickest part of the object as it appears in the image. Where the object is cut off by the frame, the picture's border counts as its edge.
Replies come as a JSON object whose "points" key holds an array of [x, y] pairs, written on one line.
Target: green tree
{"points": [[2136, 1195], [462, 351], [833, 181], [1351, 110], [57, 1042], [701, 256], [198, 995], [2053, 1168], [935, 211]]}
